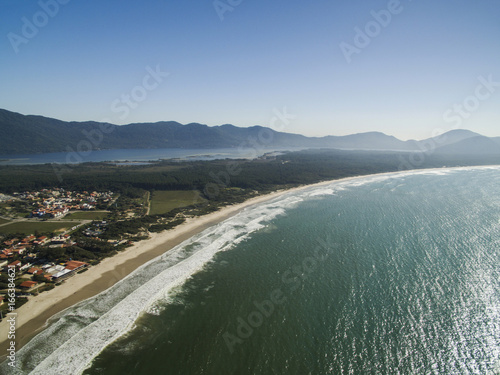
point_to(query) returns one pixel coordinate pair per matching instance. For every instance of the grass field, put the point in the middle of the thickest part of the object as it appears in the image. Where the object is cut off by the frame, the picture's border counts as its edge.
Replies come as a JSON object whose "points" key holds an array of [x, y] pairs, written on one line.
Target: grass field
{"points": [[29, 227], [3, 221], [164, 201], [87, 215]]}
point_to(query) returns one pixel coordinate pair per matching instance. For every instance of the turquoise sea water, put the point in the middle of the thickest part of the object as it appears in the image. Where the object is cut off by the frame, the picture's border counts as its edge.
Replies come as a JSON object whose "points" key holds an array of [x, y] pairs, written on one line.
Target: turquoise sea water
{"points": [[392, 274]]}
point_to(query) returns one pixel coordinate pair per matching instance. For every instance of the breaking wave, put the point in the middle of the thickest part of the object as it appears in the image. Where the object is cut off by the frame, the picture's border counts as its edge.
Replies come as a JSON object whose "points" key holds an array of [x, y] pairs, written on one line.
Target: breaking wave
{"points": [[77, 335]]}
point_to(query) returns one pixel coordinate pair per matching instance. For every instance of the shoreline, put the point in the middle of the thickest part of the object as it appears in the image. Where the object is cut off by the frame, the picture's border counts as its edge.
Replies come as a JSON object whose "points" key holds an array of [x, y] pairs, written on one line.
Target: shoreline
{"points": [[34, 315]]}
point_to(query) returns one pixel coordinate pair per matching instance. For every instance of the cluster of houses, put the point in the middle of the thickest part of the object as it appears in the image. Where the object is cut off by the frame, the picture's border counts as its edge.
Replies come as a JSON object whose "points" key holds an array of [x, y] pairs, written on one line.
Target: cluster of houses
{"points": [[21, 247], [32, 273], [5, 198], [50, 212], [49, 271], [54, 203], [27, 266], [98, 228], [95, 230]]}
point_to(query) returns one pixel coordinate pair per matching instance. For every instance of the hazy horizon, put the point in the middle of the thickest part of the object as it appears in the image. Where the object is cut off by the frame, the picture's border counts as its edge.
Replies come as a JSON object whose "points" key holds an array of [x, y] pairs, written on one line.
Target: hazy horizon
{"points": [[403, 68]]}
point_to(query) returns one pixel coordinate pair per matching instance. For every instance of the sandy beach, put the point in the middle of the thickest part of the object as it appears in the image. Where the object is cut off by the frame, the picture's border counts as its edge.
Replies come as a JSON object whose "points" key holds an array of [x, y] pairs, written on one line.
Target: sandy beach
{"points": [[33, 316]]}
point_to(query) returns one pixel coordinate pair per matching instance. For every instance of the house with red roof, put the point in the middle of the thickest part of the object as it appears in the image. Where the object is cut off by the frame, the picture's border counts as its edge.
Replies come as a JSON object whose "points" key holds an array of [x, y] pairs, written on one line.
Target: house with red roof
{"points": [[70, 268], [25, 266], [16, 264], [35, 271], [11, 242], [20, 250], [74, 265], [41, 240], [30, 285]]}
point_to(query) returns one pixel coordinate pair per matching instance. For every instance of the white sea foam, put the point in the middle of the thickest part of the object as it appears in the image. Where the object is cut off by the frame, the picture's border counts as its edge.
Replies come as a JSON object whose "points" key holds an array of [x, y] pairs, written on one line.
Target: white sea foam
{"points": [[95, 323], [320, 192]]}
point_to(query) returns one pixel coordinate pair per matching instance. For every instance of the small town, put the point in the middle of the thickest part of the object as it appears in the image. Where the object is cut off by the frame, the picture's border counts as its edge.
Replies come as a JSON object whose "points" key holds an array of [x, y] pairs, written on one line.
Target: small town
{"points": [[44, 259], [50, 235], [250, 187]]}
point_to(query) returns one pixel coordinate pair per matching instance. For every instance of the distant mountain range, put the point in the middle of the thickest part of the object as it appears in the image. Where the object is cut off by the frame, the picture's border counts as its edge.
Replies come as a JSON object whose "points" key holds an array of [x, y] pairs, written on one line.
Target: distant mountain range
{"points": [[23, 134]]}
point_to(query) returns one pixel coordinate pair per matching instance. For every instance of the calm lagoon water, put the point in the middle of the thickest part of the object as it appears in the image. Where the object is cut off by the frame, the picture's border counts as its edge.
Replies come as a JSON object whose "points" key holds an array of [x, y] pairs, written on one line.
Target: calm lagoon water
{"points": [[136, 155]]}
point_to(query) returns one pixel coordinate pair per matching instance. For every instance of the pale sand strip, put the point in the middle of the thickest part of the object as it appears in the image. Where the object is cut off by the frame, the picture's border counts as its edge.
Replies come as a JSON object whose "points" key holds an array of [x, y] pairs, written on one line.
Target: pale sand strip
{"points": [[32, 316]]}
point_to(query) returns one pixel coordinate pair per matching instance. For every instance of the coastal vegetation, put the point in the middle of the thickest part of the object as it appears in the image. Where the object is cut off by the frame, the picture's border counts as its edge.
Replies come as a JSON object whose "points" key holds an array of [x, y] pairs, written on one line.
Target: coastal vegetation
{"points": [[87, 215], [263, 174], [164, 201], [31, 227], [119, 205]]}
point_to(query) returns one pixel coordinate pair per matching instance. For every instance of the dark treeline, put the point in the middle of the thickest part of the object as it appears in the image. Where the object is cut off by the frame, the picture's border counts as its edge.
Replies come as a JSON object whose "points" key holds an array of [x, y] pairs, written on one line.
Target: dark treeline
{"points": [[222, 182], [213, 178]]}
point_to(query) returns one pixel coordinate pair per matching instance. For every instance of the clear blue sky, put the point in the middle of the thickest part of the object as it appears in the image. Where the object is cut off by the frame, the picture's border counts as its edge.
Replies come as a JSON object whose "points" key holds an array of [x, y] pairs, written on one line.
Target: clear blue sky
{"points": [[263, 55]]}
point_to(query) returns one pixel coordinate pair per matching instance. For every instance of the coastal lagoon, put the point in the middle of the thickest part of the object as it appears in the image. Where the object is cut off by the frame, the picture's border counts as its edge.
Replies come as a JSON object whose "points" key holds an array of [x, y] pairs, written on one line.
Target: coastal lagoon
{"points": [[384, 274], [136, 155]]}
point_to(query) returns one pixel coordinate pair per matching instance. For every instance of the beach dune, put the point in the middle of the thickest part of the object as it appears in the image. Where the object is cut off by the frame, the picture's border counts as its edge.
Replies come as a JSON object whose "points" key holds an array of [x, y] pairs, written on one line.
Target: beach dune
{"points": [[32, 317]]}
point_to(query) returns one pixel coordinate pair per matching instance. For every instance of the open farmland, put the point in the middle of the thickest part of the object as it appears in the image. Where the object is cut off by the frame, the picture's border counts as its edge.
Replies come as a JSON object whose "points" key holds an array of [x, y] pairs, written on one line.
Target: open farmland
{"points": [[165, 201]]}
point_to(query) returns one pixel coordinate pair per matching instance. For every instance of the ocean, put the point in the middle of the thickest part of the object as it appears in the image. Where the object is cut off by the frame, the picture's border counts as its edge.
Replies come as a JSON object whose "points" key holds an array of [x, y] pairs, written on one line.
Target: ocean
{"points": [[384, 274]]}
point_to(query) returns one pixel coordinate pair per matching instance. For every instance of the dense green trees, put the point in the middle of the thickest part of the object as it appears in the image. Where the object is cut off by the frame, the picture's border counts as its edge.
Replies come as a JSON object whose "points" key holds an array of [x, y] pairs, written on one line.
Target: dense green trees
{"points": [[215, 176], [221, 182]]}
